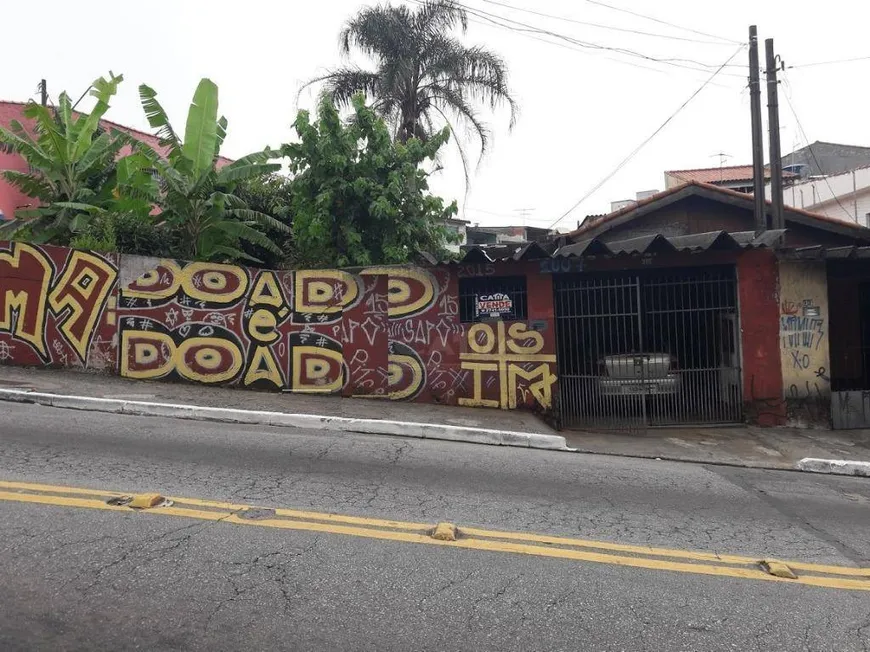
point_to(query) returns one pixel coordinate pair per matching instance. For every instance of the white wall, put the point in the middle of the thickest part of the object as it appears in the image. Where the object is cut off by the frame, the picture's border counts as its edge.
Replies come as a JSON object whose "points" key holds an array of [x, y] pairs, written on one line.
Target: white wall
{"points": [[821, 195]]}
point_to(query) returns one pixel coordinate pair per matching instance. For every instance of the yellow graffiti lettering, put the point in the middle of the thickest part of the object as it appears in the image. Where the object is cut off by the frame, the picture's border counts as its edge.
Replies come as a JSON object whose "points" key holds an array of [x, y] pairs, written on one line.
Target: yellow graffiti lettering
{"points": [[396, 370], [410, 290], [148, 348], [26, 297], [208, 358], [212, 358], [488, 343], [266, 291], [262, 326], [325, 291], [507, 351], [522, 333], [214, 280], [82, 291], [477, 369], [316, 367], [153, 285], [541, 388], [264, 367]]}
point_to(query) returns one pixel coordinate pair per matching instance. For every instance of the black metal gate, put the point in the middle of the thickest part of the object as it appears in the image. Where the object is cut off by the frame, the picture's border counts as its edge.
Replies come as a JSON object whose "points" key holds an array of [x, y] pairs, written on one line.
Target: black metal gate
{"points": [[650, 349]]}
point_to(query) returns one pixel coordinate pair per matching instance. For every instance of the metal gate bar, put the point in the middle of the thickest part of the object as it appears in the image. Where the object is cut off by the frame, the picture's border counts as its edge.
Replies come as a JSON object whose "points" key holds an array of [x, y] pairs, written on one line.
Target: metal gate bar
{"points": [[648, 350]]}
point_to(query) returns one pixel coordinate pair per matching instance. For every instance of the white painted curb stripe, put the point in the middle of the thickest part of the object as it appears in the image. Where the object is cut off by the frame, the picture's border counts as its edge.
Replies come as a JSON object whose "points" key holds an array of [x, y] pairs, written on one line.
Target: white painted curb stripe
{"points": [[840, 467], [310, 421]]}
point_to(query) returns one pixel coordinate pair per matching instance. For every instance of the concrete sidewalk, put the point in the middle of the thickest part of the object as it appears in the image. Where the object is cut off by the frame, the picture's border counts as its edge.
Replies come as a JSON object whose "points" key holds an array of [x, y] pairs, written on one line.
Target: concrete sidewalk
{"points": [[772, 448], [767, 448], [81, 390]]}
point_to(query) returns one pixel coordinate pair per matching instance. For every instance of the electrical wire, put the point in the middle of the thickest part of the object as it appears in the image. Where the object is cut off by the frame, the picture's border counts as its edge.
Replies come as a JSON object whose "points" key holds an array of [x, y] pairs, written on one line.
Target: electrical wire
{"points": [[521, 27], [637, 149], [662, 22], [491, 23], [828, 63], [803, 133], [601, 26]]}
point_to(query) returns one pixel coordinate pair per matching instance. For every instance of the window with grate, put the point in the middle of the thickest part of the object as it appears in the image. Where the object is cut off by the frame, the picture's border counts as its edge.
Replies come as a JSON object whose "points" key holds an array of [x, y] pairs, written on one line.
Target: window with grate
{"points": [[486, 298]]}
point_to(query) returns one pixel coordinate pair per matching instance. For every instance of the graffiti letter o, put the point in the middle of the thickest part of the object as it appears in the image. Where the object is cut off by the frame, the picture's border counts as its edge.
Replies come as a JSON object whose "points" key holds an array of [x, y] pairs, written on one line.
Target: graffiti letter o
{"points": [[208, 359], [488, 343]]}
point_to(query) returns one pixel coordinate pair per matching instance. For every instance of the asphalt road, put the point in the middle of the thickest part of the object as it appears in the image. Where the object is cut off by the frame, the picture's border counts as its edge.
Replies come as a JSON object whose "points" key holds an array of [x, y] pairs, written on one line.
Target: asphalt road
{"points": [[81, 579]]}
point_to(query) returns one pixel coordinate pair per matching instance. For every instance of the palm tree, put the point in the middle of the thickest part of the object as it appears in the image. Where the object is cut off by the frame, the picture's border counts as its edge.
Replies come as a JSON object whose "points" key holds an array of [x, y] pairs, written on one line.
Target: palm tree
{"points": [[424, 77], [197, 200]]}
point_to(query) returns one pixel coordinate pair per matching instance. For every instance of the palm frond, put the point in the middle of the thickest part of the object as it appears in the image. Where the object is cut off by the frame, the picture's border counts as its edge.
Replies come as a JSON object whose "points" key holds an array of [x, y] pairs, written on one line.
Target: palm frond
{"points": [[102, 150], [32, 185], [232, 254], [342, 84], [256, 217], [230, 173], [242, 231], [158, 119], [438, 16], [53, 141], [380, 32], [26, 146], [103, 90]]}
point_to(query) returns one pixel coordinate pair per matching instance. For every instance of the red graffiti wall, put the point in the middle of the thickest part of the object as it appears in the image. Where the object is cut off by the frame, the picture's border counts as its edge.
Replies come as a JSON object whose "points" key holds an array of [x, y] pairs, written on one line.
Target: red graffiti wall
{"points": [[394, 333], [57, 307]]}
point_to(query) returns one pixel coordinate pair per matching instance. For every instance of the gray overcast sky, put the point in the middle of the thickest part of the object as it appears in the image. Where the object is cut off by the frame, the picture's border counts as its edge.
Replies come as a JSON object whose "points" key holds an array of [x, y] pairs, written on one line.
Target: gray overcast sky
{"points": [[581, 111]]}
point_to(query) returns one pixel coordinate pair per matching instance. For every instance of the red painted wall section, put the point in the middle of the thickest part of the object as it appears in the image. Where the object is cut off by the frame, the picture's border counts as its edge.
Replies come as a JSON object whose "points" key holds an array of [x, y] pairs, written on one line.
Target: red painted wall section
{"points": [[12, 199], [57, 307], [392, 333], [758, 282], [511, 364]]}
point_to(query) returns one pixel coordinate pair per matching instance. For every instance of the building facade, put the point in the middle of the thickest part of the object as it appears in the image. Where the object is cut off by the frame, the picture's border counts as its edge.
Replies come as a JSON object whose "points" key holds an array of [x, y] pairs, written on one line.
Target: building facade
{"points": [[670, 312]]}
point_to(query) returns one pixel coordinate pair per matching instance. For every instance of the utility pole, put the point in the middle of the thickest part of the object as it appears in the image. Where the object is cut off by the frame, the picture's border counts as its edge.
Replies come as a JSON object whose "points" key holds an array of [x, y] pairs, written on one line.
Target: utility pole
{"points": [[757, 136], [773, 126], [43, 92]]}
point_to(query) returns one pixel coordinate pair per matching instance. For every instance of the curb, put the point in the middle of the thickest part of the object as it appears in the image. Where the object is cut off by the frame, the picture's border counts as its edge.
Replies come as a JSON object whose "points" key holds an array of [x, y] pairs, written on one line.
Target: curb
{"points": [[838, 467], [285, 420]]}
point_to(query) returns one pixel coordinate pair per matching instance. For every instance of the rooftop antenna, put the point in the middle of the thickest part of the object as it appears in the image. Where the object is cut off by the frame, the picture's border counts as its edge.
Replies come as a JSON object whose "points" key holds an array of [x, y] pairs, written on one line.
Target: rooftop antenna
{"points": [[523, 214], [722, 157]]}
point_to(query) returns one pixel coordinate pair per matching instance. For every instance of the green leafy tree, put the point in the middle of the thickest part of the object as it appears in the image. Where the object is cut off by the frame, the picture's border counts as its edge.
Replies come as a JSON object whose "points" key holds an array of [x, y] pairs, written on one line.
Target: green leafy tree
{"points": [[423, 76], [270, 194], [73, 175], [358, 197], [197, 201]]}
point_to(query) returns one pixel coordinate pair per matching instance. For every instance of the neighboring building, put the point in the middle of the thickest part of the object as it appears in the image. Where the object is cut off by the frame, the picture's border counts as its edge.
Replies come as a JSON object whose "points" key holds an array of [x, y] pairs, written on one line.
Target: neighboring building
{"points": [[844, 196], [483, 235], [821, 158], [457, 228], [619, 204], [733, 177], [11, 198], [677, 311]]}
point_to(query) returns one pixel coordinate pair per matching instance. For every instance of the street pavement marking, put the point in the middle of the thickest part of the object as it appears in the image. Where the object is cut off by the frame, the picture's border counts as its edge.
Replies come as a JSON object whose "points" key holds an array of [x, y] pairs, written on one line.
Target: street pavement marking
{"points": [[470, 538]]}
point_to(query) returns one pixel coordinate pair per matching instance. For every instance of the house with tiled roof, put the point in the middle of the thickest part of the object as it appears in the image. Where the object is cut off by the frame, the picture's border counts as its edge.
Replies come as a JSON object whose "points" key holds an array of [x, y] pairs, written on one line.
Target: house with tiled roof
{"points": [[11, 198], [734, 177]]}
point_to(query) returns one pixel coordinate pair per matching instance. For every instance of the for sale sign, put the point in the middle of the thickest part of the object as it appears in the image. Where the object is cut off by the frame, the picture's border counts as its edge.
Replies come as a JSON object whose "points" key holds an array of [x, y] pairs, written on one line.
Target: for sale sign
{"points": [[494, 305]]}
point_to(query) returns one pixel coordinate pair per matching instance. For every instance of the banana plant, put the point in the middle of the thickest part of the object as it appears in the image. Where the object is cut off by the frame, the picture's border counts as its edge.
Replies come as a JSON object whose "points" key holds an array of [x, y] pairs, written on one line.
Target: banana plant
{"points": [[196, 199], [71, 157]]}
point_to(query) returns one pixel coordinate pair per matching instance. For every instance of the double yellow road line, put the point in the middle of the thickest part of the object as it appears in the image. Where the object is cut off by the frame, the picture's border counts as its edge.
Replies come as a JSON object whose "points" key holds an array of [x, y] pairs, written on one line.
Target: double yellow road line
{"points": [[682, 561]]}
